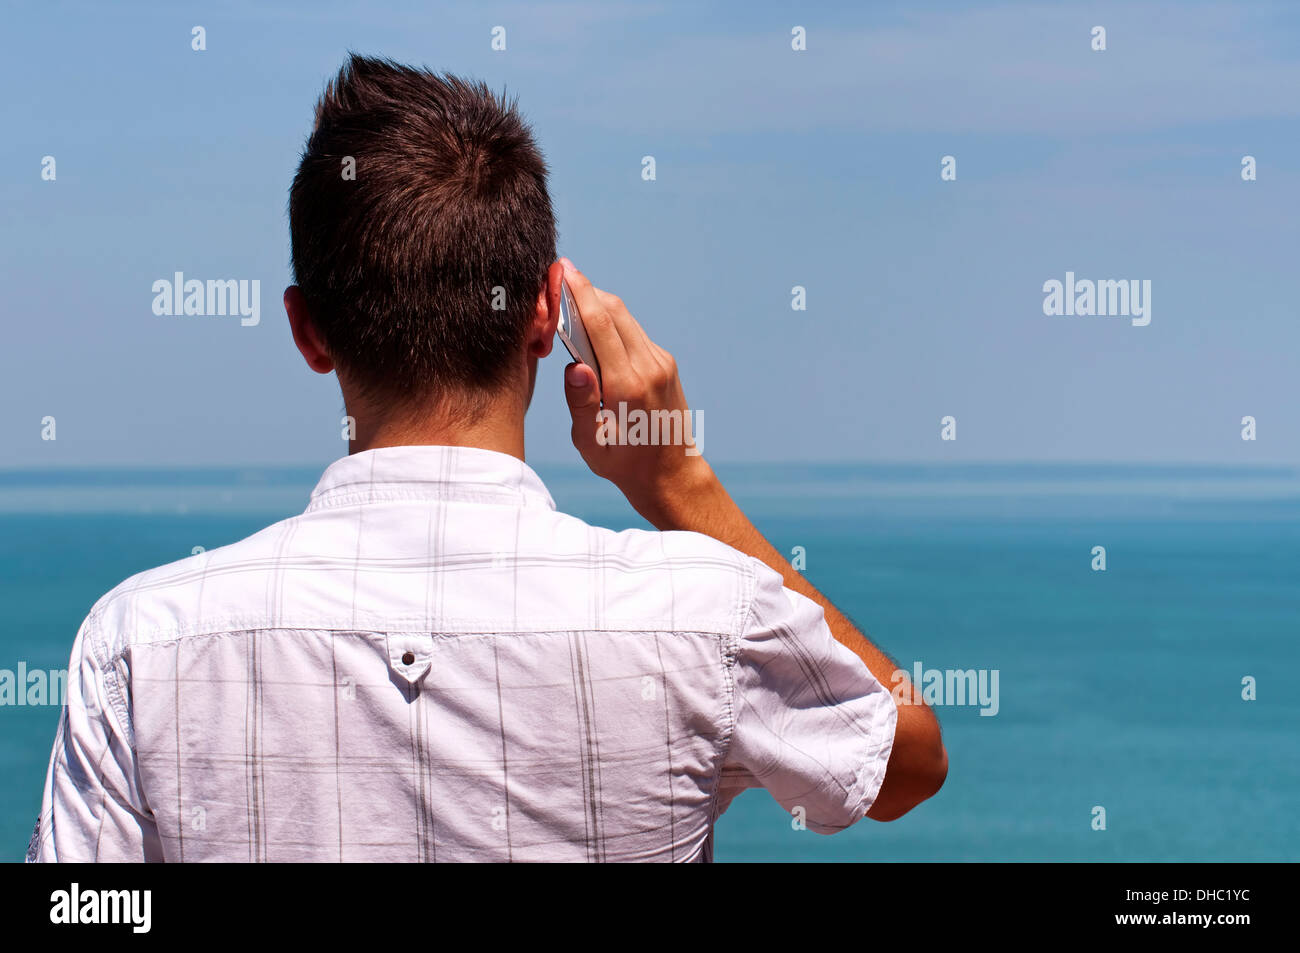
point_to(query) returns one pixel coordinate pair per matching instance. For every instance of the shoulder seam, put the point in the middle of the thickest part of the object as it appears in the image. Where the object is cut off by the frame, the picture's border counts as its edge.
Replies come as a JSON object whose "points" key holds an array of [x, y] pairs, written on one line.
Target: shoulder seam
{"points": [[731, 649]]}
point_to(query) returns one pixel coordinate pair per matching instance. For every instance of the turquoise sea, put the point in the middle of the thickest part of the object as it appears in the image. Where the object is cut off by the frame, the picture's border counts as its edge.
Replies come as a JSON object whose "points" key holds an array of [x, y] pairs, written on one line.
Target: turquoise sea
{"points": [[1119, 689]]}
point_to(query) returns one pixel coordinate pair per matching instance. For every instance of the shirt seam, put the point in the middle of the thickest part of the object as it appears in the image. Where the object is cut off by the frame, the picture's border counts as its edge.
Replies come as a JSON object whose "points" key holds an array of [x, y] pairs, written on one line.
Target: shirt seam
{"points": [[120, 653], [106, 661], [453, 493], [731, 649]]}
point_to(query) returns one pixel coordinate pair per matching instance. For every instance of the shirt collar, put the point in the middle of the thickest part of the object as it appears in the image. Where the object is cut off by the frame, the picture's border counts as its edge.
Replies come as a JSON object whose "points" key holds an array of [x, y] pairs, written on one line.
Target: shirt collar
{"points": [[463, 474]]}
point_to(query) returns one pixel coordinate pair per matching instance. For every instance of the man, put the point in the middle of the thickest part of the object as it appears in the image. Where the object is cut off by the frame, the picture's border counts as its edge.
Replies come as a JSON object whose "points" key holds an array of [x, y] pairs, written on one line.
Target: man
{"points": [[431, 663]]}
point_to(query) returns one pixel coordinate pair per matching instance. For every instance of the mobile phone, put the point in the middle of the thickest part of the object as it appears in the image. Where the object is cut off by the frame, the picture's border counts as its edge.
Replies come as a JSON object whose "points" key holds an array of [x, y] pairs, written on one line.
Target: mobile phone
{"points": [[573, 334]]}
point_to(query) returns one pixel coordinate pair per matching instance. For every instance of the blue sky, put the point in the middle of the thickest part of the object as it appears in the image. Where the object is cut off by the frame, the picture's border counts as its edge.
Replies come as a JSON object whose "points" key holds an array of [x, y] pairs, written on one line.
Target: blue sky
{"points": [[775, 169]]}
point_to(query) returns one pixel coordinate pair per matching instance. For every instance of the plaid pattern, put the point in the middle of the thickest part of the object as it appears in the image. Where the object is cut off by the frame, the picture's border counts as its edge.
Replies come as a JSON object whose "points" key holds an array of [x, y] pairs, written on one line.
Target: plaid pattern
{"points": [[431, 663]]}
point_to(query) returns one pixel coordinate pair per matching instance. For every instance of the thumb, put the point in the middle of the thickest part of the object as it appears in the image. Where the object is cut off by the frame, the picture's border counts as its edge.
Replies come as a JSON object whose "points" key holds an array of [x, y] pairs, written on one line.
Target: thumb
{"points": [[583, 397]]}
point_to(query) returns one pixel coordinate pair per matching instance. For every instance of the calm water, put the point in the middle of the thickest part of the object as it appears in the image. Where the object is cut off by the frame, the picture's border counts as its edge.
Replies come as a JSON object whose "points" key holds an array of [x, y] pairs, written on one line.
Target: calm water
{"points": [[1119, 689]]}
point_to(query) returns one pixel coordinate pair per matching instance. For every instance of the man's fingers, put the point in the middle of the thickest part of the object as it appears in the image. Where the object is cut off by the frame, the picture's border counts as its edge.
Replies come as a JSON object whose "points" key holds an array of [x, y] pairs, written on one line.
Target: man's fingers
{"points": [[630, 362], [635, 341], [601, 329]]}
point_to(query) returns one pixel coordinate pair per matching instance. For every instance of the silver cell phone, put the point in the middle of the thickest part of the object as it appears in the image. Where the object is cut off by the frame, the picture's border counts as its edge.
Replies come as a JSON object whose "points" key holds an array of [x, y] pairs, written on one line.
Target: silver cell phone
{"points": [[573, 334]]}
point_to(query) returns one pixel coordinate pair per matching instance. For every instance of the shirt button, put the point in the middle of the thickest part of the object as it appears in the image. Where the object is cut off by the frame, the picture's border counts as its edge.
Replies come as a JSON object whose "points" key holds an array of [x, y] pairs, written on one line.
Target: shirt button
{"points": [[408, 658]]}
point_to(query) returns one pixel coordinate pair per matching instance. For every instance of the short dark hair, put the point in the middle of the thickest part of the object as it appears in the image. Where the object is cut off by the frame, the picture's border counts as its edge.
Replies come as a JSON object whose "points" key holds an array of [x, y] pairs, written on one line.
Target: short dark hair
{"points": [[401, 266]]}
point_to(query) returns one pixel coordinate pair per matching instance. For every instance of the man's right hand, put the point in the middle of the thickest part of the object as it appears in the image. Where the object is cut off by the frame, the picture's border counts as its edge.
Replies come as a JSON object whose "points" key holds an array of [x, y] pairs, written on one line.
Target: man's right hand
{"points": [[636, 374]]}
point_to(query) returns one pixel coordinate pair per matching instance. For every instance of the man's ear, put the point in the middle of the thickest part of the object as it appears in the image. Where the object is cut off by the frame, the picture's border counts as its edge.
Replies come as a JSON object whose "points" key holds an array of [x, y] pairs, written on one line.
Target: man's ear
{"points": [[546, 316], [304, 332]]}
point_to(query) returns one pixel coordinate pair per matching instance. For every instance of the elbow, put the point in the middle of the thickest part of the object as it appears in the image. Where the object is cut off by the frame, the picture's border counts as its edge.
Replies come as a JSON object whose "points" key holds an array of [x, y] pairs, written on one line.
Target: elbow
{"points": [[917, 769]]}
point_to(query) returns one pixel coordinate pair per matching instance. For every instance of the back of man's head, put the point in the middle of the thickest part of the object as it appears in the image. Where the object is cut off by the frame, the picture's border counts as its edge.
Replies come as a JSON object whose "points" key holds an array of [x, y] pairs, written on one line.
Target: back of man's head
{"points": [[421, 270]]}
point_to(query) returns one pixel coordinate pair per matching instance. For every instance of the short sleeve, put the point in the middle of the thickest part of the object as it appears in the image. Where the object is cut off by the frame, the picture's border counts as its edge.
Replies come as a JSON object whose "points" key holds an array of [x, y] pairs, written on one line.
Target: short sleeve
{"points": [[93, 808], [812, 724]]}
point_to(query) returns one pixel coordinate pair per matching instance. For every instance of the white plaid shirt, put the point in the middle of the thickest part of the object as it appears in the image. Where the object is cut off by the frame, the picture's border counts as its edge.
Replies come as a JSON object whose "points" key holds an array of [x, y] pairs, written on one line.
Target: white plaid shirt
{"points": [[431, 663]]}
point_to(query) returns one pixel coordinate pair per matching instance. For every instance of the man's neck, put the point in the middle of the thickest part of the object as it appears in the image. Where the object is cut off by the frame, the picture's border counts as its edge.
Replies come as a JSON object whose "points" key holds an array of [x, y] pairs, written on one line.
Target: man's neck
{"points": [[498, 426]]}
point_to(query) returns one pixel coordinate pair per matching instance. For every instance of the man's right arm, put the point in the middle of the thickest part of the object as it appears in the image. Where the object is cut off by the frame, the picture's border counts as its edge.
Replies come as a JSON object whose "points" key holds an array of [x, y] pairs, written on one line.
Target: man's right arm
{"points": [[918, 763], [675, 490]]}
